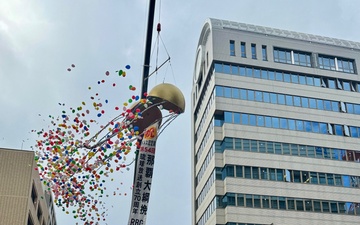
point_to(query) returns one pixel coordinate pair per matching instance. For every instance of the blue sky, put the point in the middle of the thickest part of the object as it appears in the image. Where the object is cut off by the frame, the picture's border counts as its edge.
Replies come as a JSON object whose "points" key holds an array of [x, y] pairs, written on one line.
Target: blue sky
{"points": [[39, 40]]}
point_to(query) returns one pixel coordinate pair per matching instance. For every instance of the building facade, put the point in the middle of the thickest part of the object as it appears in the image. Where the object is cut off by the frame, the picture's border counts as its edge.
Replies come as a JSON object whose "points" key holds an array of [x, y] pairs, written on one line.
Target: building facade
{"points": [[275, 127], [22, 199]]}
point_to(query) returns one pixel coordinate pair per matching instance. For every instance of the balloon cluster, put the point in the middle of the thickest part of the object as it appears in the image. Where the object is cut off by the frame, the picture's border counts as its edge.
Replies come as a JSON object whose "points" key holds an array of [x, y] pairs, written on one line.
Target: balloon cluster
{"points": [[76, 155]]}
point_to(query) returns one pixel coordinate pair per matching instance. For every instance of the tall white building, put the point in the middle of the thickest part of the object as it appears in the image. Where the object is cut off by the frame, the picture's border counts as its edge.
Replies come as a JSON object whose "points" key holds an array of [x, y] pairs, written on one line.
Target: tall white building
{"points": [[275, 127], [22, 197]]}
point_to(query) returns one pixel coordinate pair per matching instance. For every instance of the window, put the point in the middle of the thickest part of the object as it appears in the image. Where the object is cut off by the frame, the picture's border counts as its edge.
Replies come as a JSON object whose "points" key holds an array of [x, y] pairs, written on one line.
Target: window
{"points": [[336, 64], [292, 57], [253, 51], [39, 213], [264, 53], [30, 220], [33, 195], [243, 49], [232, 48]]}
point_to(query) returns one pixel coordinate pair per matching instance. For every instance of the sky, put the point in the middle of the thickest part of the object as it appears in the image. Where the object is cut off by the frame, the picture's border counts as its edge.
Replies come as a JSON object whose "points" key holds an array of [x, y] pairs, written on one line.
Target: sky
{"points": [[40, 40]]}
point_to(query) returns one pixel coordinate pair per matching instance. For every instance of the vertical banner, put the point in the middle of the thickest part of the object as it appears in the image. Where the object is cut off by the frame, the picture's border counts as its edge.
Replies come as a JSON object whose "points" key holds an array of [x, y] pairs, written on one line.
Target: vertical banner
{"points": [[143, 177]]}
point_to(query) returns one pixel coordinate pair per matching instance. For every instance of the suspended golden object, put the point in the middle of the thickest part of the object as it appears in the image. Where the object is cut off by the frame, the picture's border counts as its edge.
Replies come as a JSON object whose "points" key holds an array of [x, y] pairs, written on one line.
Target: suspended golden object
{"points": [[170, 95]]}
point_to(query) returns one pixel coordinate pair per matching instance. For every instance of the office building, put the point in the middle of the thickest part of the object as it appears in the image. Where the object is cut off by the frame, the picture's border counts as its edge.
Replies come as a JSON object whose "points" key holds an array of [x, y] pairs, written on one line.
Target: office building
{"points": [[275, 127], [22, 199]]}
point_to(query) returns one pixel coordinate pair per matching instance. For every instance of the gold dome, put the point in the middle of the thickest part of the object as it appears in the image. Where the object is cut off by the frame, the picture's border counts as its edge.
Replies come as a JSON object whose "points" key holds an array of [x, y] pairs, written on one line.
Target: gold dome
{"points": [[175, 100]]}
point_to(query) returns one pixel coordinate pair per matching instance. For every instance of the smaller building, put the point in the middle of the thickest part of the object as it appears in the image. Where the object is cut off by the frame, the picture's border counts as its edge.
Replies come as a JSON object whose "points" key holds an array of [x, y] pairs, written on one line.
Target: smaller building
{"points": [[22, 198]]}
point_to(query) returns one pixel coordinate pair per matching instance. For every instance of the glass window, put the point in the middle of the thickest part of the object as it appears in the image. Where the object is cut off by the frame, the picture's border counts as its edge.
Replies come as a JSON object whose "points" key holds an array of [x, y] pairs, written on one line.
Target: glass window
{"points": [[289, 100], [308, 205], [255, 173], [295, 78], [243, 94], [323, 128], [249, 72], [235, 93], [317, 206], [273, 98], [334, 207], [305, 102], [299, 205], [246, 145], [275, 122], [264, 74], [314, 178], [283, 123], [320, 104], [266, 97], [254, 145], [272, 174], [297, 176], [327, 105], [310, 81], [270, 147], [240, 199], [299, 125], [331, 84], [267, 121], [234, 70], [291, 203], [253, 51], [262, 146], [325, 206], [278, 150], [226, 69], [282, 203], [286, 149], [258, 96], [249, 202], [317, 82], [330, 179], [256, 73], [281, 99], [287, 78], [237, 118], [318, 152], [278, 76], [271, 75], [335, 106], [297, 101], [311, 151], [251, 96], [252, 119], [244, 119], [232, 48], [302, 149], [247, 172], [307, 125], [260, 121], [242, 71], [264, 53], [265, 202], [239, 171], [302, 79], [257, 203], [219, 91], [243, 49], [315, 127], [312, 103], [322, 178], [357, 109], [218, 67], [274, 202], [291, 124], [264, 173], [338, 130], [294, 149], [279, 175], [227, 91], [350, 107], [228, 117]]}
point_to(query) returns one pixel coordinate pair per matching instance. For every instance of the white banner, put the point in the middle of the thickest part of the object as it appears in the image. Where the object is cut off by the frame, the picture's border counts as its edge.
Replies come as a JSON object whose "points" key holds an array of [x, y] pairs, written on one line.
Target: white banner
{"points": [[143, 177]]}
